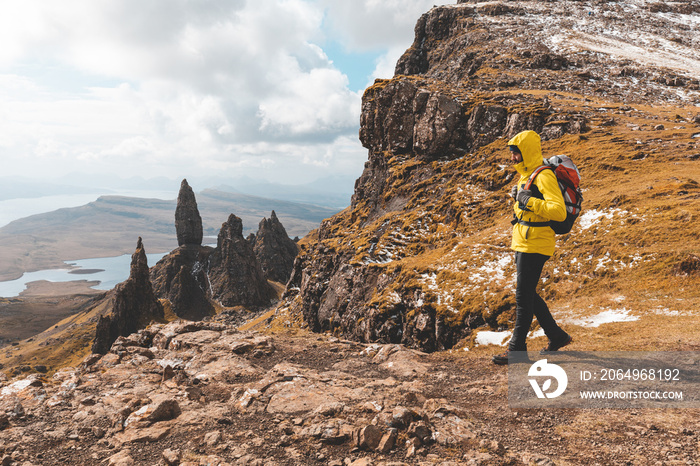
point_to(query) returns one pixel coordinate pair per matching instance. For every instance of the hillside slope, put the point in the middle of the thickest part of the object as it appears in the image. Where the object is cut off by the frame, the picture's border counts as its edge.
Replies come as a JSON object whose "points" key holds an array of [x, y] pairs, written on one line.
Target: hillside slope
{"points": [[422, 256]]}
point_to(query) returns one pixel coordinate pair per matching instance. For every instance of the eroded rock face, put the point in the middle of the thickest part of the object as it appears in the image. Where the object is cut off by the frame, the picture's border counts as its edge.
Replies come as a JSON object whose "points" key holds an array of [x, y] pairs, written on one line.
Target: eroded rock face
{"points": [[274, 250], [235, 275], [181, 277], [133, 305], [188, 222]]}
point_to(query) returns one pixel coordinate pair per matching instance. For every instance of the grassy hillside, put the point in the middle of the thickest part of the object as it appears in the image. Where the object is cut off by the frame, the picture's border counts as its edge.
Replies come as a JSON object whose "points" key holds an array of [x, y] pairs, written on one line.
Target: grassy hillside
{"points": [[439, 240]]}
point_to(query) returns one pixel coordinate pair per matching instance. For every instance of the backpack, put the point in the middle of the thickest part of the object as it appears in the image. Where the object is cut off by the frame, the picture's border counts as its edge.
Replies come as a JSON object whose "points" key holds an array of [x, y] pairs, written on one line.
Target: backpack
{"points": [[568, 177]]}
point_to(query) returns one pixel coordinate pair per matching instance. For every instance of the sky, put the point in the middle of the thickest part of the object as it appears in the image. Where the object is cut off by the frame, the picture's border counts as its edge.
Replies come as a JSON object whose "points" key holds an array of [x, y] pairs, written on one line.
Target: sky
{"points": [[268, 89]]}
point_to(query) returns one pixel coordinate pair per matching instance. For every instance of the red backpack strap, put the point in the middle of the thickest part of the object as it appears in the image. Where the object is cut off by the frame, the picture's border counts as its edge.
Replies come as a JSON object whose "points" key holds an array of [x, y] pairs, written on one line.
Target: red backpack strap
{"points": [[537, 171]]}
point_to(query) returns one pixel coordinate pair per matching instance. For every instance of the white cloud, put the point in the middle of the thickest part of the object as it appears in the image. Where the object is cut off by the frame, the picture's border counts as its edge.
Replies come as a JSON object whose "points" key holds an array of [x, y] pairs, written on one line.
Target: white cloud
{"points": [[376, 24], [176, 86]]}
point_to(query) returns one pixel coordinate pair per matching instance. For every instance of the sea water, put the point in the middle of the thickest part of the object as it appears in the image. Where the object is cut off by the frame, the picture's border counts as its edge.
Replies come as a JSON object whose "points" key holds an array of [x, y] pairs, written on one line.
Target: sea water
{"points": [[108, 271]]}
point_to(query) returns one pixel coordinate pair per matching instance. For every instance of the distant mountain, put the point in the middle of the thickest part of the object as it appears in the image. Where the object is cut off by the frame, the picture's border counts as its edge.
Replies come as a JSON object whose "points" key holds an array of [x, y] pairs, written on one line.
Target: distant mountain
{"points": [[15, 188], [110, 225], [332, 192]]}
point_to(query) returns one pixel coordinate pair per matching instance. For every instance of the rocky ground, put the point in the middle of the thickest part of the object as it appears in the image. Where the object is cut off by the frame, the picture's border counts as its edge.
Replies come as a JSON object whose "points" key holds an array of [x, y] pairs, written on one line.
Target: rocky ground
{"points": [[206, 393]]}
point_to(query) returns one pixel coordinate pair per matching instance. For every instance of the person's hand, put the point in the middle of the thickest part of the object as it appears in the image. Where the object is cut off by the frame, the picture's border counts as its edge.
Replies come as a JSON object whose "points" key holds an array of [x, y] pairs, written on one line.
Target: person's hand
{"points": [[514, 191], [523, 197]]}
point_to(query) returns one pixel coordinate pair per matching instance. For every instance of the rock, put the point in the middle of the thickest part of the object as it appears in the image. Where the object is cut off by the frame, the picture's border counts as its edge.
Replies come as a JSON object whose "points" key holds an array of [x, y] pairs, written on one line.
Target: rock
{"points": [[161, 409], [123, 458], [235, 275], [188, 222], [133, 305], [388, 441], [361, 462], [370, 437], [212, 438], [187, 297], [145, 435], [536, 459], [274, 250], [172, 457], [329, 409], [421, 431], [412, 446], [4, 421], [181, 278], [402, 417]]}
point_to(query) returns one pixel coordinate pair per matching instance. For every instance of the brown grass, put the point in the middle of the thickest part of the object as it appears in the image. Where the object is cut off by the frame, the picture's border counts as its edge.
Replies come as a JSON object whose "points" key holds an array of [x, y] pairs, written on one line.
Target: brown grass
{"points": [[452, 231]]}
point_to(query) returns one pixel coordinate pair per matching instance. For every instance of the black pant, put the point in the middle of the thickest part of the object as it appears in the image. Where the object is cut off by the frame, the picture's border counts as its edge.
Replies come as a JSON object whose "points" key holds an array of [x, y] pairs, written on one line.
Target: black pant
{"points": [[528, 302]]}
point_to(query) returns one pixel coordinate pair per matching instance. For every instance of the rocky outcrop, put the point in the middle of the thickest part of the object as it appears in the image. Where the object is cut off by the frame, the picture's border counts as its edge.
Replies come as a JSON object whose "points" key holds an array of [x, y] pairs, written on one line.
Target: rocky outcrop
{"points": [[204, 393], [188, 222], [181, 278], [274, 250], [133, 305], [235, 275]]}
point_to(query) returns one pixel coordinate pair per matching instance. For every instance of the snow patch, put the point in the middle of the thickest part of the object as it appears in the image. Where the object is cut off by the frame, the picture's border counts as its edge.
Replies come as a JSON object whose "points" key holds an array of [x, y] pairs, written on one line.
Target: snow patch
{"points": [[16, 387], [491, 270], [591, 217], [489, 337], [608, 316]]}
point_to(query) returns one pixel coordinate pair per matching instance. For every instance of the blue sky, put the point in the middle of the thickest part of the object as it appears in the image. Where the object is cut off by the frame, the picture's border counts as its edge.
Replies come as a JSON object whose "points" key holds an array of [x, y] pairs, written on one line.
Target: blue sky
{"points": [[176, 88]]}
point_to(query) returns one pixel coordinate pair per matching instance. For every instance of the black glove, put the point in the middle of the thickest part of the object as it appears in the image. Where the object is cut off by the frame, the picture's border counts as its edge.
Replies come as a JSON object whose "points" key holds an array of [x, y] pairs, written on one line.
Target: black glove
{"points": [[523, 197], [514, 191]]}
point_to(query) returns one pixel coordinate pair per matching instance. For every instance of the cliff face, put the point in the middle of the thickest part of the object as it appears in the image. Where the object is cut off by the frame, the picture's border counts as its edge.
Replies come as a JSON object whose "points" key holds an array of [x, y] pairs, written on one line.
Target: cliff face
{"points": [[181, 278], [274, 249], [133, 305], [422, 256], [235, 274]]}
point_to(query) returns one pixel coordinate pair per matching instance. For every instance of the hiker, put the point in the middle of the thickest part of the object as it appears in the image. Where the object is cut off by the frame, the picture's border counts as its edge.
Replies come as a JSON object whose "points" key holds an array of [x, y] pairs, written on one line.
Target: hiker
{"points": [[533, 242]]}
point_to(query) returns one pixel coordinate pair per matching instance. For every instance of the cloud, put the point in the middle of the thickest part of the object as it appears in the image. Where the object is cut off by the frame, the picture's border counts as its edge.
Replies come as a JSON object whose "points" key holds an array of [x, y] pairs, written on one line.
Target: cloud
{"points": [[375, 24], [181, 85]]}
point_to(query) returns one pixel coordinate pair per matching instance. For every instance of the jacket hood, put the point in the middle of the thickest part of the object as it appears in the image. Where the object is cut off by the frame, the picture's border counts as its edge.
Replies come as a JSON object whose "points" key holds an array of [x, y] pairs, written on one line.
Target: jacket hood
{"points": [[529, 144]]}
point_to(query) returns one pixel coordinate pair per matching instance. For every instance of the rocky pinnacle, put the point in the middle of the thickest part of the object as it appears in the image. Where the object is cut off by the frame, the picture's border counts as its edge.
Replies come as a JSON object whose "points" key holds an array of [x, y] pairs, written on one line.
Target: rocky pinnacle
{"points": [[188, 222]]}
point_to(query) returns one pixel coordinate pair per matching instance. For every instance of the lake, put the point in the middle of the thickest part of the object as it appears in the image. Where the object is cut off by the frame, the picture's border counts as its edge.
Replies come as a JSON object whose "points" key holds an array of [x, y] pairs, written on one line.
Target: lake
{"points": [[109, 271]]}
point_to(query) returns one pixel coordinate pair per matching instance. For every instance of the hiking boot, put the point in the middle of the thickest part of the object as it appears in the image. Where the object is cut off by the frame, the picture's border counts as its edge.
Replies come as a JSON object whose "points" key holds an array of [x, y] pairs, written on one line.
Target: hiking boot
{"points": [[510, 356], [552, 346], [500, 359]]}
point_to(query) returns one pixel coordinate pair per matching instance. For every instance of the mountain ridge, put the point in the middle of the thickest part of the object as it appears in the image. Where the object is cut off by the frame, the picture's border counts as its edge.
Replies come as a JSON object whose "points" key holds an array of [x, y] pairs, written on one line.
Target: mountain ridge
{"points": [[402, 264]]}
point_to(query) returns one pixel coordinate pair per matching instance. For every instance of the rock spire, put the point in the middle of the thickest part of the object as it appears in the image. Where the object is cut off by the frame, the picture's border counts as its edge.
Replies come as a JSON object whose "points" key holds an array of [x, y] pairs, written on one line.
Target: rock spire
{"points": [[274, 249], [235, 274], [133, 305], [188, 222]]}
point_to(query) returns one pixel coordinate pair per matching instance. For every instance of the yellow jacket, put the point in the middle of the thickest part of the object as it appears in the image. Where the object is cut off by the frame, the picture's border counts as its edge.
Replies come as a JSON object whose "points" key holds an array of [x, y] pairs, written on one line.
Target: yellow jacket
{"points": [[536, 239]]}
